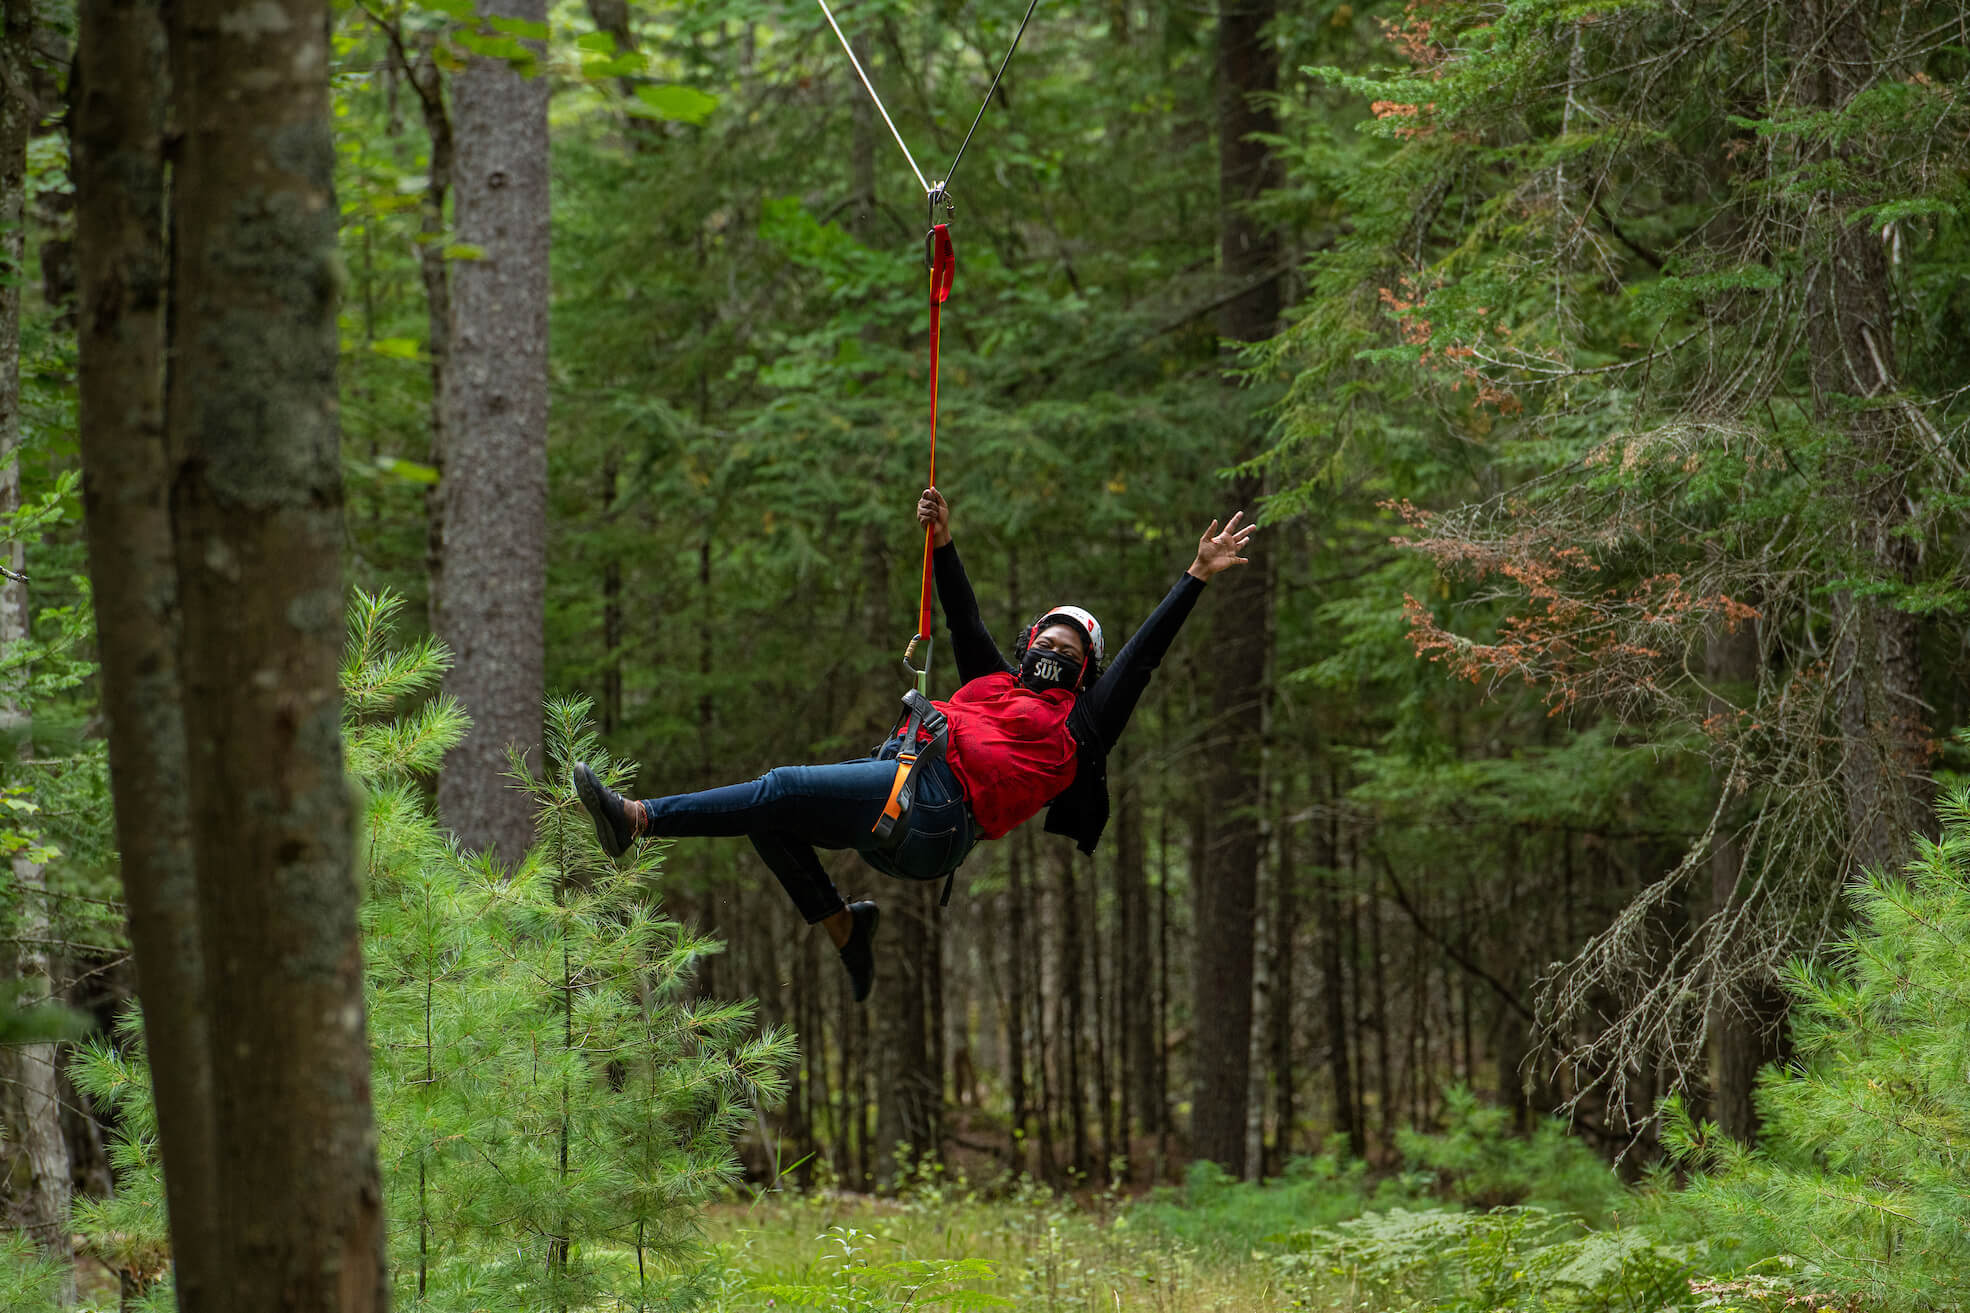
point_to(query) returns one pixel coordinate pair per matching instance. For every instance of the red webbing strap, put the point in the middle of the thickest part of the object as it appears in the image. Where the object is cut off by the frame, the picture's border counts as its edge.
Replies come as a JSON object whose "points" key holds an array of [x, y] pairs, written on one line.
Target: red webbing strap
{"points": [[943, 265]]}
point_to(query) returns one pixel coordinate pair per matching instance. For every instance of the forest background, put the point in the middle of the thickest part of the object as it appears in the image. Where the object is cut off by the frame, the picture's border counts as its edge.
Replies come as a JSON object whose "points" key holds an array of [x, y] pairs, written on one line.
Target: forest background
{"points": [[1596, 368]]}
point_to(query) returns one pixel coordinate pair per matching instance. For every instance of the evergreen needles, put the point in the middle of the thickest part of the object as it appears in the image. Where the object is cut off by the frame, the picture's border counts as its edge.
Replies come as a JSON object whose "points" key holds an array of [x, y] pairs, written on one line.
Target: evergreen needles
{"points": [[553, 1108], [1863, 1173]]}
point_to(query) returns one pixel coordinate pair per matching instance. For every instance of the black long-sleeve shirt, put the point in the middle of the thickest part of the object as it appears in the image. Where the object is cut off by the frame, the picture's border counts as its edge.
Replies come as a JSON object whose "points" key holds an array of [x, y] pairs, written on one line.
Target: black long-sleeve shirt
{"points": [[1100, 712]]}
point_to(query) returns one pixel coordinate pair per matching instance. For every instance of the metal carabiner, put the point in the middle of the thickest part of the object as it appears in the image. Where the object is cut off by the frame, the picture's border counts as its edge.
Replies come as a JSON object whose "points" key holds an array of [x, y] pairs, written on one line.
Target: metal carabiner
{"points": [[937, 196], [922, 673]]}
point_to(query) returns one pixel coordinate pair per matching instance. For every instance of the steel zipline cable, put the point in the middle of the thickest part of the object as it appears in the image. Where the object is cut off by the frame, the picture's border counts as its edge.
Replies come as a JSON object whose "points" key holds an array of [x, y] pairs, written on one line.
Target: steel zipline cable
{"points": [[943, 184], [989, 93], [942, 263], [871, 88]]}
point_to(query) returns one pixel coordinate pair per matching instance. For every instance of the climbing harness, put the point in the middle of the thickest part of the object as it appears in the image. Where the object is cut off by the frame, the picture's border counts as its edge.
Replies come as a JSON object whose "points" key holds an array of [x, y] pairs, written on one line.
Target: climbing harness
{"points": [[925, 734], [922, 734], [922, 726]]}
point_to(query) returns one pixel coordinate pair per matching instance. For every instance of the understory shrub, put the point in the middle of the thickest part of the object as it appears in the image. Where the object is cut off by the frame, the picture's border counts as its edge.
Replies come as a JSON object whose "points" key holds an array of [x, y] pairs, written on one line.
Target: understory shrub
{"points": [[1479, 1161], [1520, 1258], [1223, 1219], [553, 1110], [1859, 1188]]}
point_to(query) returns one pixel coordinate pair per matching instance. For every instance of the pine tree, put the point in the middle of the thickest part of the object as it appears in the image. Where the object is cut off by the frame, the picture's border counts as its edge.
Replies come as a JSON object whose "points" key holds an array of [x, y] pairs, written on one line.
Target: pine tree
{"points": [[1860, 1172], [553, 1108]]}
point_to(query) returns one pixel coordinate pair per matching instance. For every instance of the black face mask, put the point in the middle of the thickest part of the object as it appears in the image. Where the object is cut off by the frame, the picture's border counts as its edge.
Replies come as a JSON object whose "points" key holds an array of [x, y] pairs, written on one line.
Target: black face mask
{"points": [[1042, 671]]}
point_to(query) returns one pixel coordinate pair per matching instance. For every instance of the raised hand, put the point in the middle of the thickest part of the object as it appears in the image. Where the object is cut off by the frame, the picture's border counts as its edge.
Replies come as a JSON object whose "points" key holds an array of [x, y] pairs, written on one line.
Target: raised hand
{"points": [[1220, 549], [933, 512]]}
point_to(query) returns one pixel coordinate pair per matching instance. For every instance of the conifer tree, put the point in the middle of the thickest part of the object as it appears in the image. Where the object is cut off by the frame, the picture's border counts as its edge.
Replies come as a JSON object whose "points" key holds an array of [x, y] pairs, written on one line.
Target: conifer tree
{"points": [[553, 1108], [1859, 1171], [1710, 414]]}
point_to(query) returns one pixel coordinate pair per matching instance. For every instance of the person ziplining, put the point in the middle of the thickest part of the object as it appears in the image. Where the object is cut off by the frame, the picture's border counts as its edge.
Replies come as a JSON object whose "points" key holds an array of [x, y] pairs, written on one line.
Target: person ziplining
{"points": [[1016, 736]]}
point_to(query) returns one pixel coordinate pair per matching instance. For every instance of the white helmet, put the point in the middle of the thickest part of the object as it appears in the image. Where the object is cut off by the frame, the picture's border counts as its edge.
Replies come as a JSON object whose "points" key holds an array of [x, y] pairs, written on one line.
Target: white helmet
{"points": [[1081, 619]]}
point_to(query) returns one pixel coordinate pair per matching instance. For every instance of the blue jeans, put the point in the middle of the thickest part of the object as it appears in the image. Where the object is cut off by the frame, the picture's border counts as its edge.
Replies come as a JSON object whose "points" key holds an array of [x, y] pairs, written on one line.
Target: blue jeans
{"points": [[791, 810]]}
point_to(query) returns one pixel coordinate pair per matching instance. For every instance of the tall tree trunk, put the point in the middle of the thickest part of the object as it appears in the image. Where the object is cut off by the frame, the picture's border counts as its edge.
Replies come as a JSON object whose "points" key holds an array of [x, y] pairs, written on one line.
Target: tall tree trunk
{"points": [[1379, 1019], [612, 612], [257, 511], [1136, 969], [1227, 898], [908, 1085], [494, 492], [34, 1161], [119, 96], [1285, 929], [1850, 317], [419, 68], [1255, 1083], [1018, 952], [1333, 976], [1072, 1022], [1100, 1031]]}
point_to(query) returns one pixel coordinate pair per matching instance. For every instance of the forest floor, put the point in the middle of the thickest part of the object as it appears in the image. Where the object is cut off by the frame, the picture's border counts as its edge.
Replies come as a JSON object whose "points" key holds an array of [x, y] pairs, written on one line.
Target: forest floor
{"points": [[1032, 1250]]}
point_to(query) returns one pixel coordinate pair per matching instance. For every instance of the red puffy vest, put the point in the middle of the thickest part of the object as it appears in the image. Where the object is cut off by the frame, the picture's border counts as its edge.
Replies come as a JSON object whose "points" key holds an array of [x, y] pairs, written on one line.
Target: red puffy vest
{"points": [[1010, 748]]}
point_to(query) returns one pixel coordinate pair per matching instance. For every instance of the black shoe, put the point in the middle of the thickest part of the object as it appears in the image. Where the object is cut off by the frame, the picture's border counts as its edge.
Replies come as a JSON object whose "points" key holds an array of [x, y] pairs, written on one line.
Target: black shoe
{"points": [[612, 828], [856, 954]]}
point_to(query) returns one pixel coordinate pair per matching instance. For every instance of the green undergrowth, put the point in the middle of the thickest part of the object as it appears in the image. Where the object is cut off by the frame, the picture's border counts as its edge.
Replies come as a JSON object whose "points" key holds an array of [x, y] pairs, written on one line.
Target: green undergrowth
{"points": [[1203, 1250], [1474, 1160], [1326, 1234], [1477, 1219], [952, 1248]]}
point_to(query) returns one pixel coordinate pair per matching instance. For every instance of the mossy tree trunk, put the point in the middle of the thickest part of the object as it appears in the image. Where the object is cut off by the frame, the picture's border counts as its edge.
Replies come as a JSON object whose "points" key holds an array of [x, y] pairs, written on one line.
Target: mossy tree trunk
{"points": [[119, 95], [256, 500]]}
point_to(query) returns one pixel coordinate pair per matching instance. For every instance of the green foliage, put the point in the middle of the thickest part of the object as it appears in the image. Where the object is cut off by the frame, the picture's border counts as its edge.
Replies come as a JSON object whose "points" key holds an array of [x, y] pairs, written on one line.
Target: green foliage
{"points": [[1222, 1219], [128, 1230], [554, 1109], [28, 1281], [848, 1278], [1026, 1247], [1858, 1183], [28, 1019], [1525, 1259], [1481, 1163]]}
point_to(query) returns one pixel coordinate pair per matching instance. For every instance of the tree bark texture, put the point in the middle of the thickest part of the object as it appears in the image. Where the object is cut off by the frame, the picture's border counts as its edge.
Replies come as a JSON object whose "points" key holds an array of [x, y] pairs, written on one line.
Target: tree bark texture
{"points": [[1136, 968], [909, 1087], [1227, 898], [257, 504], [119, 94], [34, 1160], [1285, 926], [1261, 1027], [1850, 318], [491, 599], [1333, 981]]}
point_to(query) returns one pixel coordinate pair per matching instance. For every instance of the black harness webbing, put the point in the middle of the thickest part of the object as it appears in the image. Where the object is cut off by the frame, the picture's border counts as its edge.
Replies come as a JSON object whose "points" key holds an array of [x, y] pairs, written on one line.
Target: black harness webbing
{"points": [[925, 733], [920, 718]]}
